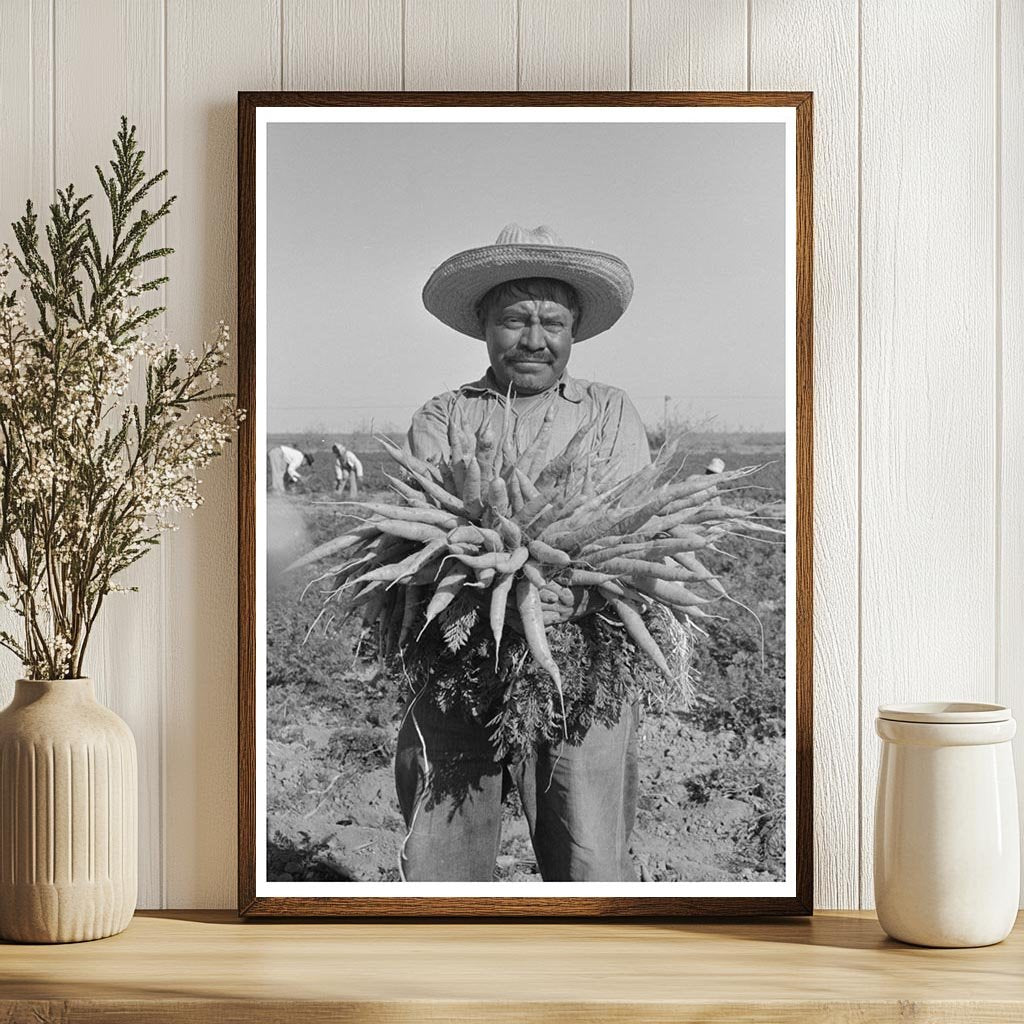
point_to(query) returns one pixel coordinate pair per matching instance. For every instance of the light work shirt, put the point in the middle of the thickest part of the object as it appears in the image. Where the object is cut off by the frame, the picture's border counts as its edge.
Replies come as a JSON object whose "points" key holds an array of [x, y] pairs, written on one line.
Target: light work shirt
{"points": [[618, 436], [293, 460], [347, 462]]}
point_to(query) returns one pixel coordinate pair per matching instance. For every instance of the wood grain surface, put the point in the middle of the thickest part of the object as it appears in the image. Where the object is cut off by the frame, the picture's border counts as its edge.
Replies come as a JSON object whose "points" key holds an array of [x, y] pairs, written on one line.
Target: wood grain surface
{"points": [[201, 967]]}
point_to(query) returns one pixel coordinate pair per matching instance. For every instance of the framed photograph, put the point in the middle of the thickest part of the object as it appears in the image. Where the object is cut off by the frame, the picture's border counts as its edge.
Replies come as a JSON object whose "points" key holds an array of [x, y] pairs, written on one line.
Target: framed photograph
{"points": [[525, 504]]}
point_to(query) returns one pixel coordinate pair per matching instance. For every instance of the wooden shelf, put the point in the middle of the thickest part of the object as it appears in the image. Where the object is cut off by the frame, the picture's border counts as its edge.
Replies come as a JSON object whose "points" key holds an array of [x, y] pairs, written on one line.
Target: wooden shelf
{"points": [[198, 966]]}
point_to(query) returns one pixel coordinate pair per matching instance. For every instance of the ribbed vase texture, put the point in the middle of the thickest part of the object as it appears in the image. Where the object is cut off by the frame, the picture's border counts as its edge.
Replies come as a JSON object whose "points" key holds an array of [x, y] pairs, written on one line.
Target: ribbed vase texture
{"points": [[68, 815]]}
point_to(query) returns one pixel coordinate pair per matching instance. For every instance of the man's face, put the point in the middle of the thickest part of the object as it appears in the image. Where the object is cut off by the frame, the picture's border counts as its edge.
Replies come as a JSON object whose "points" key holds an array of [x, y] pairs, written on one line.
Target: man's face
{"points": [[529, 343]]}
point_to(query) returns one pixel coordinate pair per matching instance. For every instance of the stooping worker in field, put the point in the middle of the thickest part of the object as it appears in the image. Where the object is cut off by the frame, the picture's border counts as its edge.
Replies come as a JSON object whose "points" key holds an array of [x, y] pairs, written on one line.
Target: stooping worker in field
{"points": [[530, 298], [348, 470], [283, 465]]}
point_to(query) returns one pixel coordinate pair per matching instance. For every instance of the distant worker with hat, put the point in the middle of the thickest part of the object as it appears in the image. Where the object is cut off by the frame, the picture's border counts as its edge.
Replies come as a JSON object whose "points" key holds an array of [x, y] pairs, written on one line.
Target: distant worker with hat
{"points": [[348, 470], [530, 298]]}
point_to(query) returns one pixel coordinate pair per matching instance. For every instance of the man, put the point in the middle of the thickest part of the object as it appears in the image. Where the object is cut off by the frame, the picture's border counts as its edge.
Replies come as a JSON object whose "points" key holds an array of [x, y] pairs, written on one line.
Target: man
{"points": [[348, 470], [283, 465], [530, 298]]}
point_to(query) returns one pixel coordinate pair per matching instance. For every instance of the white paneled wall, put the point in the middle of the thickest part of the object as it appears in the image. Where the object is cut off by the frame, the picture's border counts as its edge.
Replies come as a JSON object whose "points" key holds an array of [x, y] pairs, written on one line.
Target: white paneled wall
{"points": [[919, 317]]}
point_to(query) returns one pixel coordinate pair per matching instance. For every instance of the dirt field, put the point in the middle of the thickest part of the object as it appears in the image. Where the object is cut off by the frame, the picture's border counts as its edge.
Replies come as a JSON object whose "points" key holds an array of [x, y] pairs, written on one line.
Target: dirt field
{"points": [[711, 804]]}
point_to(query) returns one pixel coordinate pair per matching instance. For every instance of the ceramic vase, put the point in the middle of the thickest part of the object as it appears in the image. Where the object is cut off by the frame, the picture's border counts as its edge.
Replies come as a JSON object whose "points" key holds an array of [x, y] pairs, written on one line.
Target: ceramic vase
{"points": [[68, 815], [947, 846]]}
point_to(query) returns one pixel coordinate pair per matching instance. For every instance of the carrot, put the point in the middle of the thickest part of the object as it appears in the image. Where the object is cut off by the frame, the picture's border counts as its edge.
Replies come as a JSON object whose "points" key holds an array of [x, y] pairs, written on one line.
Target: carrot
{"points": [[586, 578], [600, 526], [417, 499], [497, 496], [431, 516], [664, 523], [525, 485], [433, 490], [528, 603], [509, 532], [466, 535], [698, 541], [500, 561], [547, 554], [515, 493], [637, 518], [499, 602], [588, 478], [634, 567], [457, 469], [416, 561], [558, 511], [690, 562], [427, 573], [554, 469], [667, 591], [635, 627], [418, 467], [646, 548], [492, 540], [690, 502], [584, 515], [407, 567], [485, 450], [472, 488], [484, 577], [446, 592], [533, 508], [331, 547], [532, 572], [410, 531]]}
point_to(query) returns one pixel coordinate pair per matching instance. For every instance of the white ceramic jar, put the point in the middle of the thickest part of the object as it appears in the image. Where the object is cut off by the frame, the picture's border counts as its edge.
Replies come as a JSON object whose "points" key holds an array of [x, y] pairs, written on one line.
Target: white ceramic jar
{"points": [[947, 846]]}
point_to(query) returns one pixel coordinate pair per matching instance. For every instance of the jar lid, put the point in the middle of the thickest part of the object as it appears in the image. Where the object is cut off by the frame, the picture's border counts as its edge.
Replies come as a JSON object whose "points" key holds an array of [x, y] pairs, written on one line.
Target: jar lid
{"points": [[945, 713]]}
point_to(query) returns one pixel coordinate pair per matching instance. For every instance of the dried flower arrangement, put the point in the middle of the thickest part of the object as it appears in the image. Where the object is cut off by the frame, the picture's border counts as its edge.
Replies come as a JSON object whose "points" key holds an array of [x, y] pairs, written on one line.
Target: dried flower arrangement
{"points": [[90, 476]]}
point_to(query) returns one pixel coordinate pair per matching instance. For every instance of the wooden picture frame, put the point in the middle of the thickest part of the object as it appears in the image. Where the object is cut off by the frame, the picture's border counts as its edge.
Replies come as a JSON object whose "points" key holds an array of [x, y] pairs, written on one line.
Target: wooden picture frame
{"points": [[257, 897]]}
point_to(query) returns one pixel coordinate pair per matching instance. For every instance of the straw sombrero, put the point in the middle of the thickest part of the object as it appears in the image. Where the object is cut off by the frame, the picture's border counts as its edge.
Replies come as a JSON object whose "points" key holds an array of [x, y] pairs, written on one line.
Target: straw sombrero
{"points": [[602, 281]]}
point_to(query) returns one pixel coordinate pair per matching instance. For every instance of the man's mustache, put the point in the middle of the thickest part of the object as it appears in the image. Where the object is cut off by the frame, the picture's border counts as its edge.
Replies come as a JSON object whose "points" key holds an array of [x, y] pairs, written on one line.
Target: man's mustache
{"points": [[523, 357]]}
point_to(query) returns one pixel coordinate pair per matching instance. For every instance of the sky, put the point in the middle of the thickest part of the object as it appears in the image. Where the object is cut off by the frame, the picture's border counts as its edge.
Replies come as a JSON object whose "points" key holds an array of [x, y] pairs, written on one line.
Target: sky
{"points": [[360, 214]]}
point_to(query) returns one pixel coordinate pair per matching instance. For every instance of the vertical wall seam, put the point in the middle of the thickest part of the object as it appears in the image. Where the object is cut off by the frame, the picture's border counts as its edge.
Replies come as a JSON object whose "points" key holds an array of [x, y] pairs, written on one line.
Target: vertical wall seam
{"points": [[53, 99], [629, 44], [162, 695], [33, 169], [519, 48], [280, 40], [997, 324], [402, 42], [750, 59], [860, 459]]}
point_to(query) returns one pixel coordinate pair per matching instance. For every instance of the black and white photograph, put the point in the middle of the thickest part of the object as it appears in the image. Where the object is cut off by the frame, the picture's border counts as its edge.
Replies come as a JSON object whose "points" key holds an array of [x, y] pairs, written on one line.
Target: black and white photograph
{"points": [[525, 473]]}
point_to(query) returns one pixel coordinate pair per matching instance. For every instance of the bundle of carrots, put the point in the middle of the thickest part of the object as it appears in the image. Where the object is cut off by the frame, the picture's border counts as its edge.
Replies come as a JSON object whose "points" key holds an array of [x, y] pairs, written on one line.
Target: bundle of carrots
{"points": [[521, 533]]}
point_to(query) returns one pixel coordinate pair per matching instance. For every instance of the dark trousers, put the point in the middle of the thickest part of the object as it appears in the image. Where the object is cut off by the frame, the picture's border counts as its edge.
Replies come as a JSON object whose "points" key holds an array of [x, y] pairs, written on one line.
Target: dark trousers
{"points": [[579, 799]]}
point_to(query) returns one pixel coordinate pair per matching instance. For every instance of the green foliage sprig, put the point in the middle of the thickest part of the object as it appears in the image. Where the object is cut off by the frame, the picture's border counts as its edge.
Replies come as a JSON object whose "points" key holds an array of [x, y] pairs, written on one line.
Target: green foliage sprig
{"points": [[89, 477]]}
